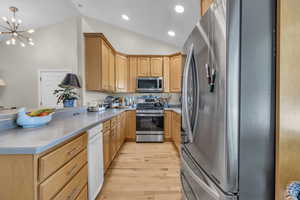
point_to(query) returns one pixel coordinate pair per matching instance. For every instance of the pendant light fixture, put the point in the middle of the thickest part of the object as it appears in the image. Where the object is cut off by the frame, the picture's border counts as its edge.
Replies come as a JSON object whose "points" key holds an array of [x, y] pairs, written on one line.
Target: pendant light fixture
{"points": [[12, 31]]}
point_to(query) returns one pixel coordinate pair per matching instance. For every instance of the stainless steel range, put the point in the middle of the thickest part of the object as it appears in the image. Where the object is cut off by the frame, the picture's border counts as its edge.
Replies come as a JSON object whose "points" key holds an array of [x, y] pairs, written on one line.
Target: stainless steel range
{"points": [[150, 121]]}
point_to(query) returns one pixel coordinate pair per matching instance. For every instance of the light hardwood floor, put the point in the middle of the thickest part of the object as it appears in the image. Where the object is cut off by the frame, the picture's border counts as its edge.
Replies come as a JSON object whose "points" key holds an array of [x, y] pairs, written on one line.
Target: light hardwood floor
{"points": [[143, 171]]}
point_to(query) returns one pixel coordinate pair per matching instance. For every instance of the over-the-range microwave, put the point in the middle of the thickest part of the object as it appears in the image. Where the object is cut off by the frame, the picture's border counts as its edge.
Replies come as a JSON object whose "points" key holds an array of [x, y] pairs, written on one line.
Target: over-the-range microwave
{"points": [[149, 84]]}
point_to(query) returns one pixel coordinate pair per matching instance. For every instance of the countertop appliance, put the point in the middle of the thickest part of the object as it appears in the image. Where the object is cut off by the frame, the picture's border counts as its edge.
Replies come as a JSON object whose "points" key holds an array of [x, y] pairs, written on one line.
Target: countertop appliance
{"points": [[95, 161], [149, 121], [149, 84], [228, 103]]}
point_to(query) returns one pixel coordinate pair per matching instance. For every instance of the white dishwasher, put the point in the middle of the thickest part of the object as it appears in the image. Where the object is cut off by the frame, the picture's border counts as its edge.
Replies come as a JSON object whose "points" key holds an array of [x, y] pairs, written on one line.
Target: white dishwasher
{"points": [[95, 161]]}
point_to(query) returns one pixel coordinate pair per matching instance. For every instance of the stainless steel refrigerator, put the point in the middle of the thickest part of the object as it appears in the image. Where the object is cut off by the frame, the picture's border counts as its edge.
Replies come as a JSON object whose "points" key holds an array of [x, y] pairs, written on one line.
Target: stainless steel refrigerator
{"points": [[228, 103]]}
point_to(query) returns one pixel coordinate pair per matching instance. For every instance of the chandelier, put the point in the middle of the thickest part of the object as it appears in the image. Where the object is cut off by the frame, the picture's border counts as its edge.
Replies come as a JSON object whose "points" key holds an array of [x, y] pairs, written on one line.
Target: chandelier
{"points": [[12, 32]]}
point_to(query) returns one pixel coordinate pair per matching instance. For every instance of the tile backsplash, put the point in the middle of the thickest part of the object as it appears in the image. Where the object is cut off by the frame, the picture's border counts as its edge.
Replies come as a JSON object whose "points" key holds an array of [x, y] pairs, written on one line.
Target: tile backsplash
{"points": [[175, 98]]}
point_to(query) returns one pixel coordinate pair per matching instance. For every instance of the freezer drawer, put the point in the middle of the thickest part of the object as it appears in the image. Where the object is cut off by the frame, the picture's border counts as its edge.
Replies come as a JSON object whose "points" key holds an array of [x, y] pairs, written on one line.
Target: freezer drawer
{"points": [[196, 185]]}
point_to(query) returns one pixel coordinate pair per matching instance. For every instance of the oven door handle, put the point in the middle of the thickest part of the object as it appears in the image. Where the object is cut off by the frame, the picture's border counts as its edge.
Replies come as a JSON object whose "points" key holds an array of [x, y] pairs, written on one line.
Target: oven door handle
{"points": [[149, 115]]}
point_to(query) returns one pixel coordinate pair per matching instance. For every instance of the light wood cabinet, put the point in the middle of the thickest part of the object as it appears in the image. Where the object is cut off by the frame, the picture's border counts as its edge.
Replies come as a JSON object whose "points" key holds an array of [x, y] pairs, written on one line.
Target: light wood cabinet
{"points": [[133, 66], [74, 187], [176, 129], [113, 138], [58, 173], [144, 66], [105, 65], [131, 125], [166, 70], [111, 70], [99, 64], [175, 73], [121, 73], [156, 66], [93, 63], [150, 66], [168, 124], [106, 149], [52, 185], [57, 158]]}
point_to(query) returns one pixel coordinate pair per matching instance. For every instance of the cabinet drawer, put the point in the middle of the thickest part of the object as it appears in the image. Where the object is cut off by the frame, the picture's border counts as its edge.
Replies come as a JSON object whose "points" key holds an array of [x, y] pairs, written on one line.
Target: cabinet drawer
{"points": [[54, 183], [113, 122], [106, 125], [83, 194], [74, 187], [57, 158]]}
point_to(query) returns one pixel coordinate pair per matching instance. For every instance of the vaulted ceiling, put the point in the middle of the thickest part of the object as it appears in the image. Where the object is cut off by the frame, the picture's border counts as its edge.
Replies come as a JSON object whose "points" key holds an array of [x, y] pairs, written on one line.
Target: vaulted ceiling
{"points": [[152, 18]]}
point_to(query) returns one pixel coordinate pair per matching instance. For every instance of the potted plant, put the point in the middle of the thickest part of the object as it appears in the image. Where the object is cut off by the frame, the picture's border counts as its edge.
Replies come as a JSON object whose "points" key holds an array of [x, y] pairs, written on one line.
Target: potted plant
{"points": [[66, 95]]}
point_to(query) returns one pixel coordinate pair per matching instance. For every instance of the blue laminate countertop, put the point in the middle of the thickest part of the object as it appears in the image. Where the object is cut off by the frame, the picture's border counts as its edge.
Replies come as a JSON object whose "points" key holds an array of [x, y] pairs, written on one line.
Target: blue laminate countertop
{"points": [[37, 140]]}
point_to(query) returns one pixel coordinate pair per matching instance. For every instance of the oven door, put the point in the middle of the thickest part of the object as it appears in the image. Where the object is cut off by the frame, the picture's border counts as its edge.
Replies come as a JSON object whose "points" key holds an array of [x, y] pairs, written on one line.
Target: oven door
{"points": [[150, 123]]}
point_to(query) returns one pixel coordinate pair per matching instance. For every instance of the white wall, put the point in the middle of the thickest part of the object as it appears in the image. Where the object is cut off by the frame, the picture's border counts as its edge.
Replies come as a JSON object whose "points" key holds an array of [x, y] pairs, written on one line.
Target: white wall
{"points": [[55, 48], [123, 41]]}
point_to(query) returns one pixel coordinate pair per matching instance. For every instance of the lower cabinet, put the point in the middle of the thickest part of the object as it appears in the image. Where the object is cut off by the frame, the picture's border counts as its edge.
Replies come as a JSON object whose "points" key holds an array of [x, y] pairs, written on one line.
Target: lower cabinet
{"points": [[176, 129], [168, 125], [58, 173], [172, 128], [131, 125], [114, 136]]}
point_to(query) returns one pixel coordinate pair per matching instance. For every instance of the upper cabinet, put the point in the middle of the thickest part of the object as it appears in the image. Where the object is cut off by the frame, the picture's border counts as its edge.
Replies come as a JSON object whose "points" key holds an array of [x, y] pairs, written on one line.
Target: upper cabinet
{"points": [[133, 66], [156, 66], [121, 73], [144, 66], [105, 66], [93, 63], [99, 64], [175, 73], [109, 71], [150, 66], [166, 69]]}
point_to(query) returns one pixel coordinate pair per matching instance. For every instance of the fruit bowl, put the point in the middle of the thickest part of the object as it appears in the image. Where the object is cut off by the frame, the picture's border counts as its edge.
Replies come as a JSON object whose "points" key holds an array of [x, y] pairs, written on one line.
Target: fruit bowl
{"points": [[34, 119]]}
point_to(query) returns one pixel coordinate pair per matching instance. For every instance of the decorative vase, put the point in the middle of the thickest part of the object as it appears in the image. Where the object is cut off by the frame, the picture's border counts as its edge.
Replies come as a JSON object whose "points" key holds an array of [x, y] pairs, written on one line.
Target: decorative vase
{"points": [[69, 103]]}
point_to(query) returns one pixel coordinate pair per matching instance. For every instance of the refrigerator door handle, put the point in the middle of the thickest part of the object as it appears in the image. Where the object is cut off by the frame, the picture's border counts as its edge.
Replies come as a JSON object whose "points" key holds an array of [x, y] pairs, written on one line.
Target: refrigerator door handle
{"points": [[213, 192], [185, 97]]}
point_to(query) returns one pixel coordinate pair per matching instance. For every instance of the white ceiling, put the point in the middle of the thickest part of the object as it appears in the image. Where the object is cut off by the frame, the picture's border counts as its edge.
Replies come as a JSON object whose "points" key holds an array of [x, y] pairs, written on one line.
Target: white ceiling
{"points": [[39, 13], [152, 18]]}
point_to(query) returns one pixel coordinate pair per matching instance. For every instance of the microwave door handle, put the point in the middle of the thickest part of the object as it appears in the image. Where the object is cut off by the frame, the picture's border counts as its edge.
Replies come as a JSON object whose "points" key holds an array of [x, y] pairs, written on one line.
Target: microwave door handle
{"points": [[184, 97]]}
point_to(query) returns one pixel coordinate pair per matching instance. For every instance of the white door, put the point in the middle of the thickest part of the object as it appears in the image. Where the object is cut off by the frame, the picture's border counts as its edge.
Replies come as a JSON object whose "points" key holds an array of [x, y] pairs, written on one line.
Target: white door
{"points": [[49, 81]]}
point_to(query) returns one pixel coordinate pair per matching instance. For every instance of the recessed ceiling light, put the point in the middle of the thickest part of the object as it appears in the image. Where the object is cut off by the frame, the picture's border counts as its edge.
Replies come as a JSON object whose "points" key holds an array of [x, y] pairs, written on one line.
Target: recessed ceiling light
{"points": [[125, 17], [179, 8], [171, 33]]}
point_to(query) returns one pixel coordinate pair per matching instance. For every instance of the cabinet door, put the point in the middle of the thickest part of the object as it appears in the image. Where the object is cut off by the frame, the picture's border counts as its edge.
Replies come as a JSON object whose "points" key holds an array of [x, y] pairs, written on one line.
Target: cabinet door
{"points": [[168, 124], [131, 125], [144, 66], [93, 63], [111, 70], [113, 143], [105, 65], [176, 73], [176, 129], [121, 73], [133, 65], [156, 66], [106, 149], [123, 127], [166, 66]]}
